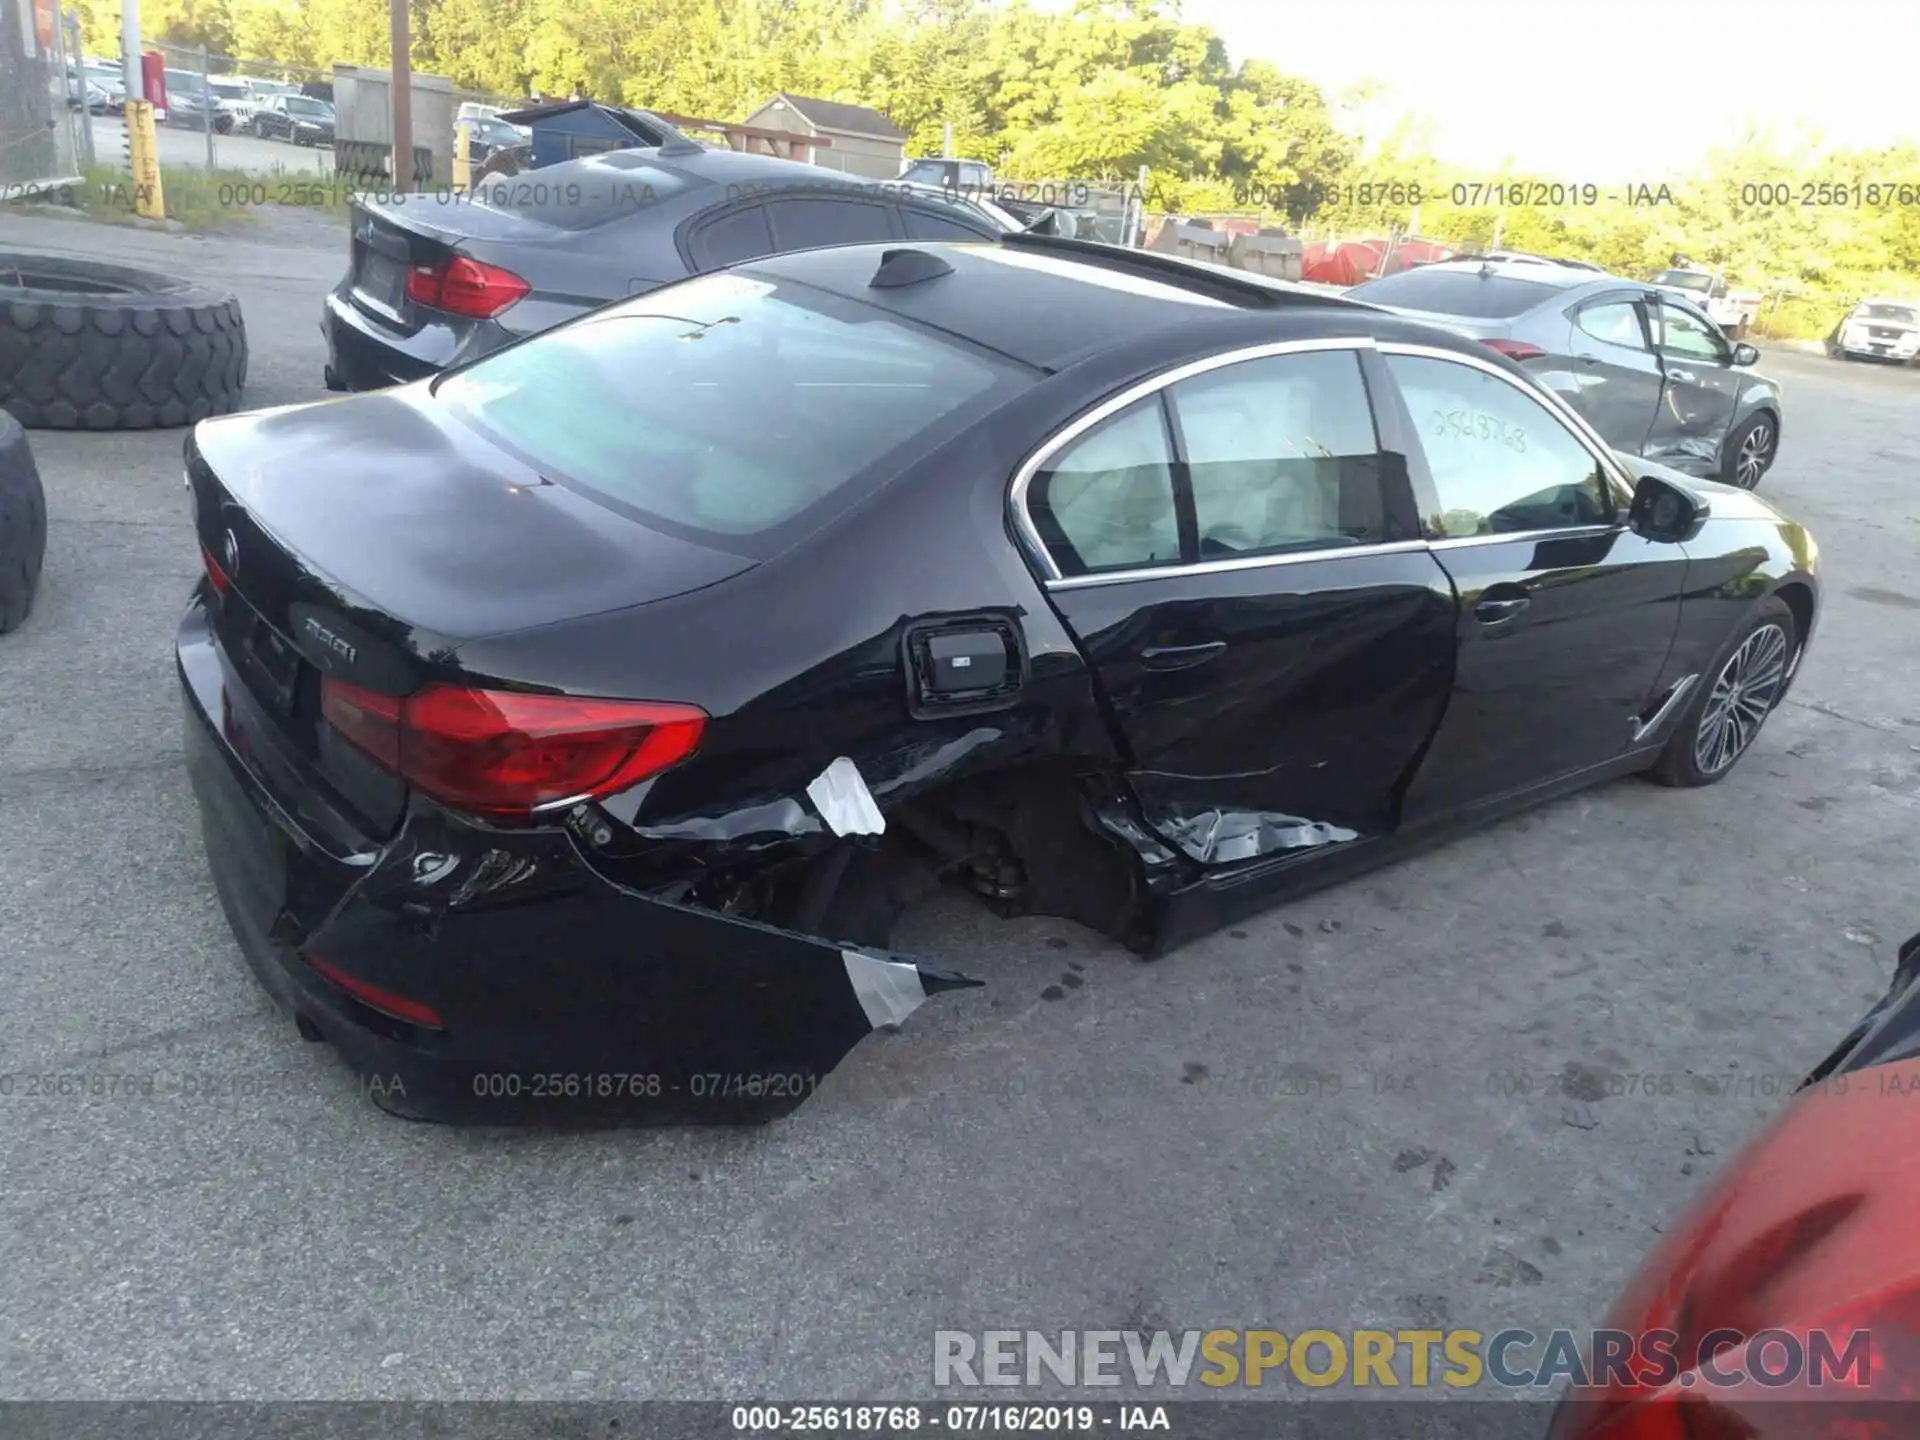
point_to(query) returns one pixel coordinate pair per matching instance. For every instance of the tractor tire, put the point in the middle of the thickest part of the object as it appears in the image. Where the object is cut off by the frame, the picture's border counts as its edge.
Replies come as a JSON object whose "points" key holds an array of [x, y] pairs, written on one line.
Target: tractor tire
{"points": [[23, 525], [89, 346]]}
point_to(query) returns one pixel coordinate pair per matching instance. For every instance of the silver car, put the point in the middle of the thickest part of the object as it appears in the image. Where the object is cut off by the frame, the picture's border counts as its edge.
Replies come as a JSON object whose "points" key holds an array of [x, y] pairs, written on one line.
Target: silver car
{"points": [[1882, 329], [1646, 368]]}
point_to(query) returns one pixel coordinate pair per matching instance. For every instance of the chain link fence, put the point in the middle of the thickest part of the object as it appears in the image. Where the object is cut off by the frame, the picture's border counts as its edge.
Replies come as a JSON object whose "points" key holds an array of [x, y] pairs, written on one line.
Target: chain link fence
{"points": [[45, 140]]}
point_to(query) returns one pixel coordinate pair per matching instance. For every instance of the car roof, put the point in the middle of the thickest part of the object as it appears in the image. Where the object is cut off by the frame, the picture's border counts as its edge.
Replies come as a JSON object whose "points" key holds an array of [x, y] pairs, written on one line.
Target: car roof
{"points": [[1047, 301], [722, 166], [1540, 272]]}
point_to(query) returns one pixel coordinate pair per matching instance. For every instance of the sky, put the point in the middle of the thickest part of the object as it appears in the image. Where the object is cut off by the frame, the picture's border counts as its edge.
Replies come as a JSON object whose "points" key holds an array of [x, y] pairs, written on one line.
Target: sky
{"points": [[1621, 91]]}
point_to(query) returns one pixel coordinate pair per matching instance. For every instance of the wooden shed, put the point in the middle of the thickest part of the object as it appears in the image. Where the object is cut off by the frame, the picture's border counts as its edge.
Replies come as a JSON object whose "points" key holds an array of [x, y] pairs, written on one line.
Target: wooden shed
{"points": [[861, 141]]}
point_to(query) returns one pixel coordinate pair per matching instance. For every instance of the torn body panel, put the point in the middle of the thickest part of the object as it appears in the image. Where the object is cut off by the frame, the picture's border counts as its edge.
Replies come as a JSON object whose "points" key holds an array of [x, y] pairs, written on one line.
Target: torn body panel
{"points": [[425, 959]]}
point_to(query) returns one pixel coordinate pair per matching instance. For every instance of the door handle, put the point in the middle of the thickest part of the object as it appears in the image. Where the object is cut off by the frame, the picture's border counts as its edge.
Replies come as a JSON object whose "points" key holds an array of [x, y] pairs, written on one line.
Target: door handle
{"points": [[1180, 657], [1685, 377], [1492, 612]]}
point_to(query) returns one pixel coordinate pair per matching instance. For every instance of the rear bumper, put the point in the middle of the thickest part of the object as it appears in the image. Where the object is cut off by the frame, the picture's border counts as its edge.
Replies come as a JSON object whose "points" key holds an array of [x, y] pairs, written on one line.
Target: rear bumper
{"points": [[364, 354], [560, 996]]}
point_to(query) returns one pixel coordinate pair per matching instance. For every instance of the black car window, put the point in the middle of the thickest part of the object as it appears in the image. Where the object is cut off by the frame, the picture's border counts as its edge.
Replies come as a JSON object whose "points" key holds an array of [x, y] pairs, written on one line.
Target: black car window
{"points": [[806, 224], [1615, 321], [1502, 462], [1466, 292], [730, 238], [728, 409], [924, 225], [1106, 501], [1281, 455], [1685, 334]]}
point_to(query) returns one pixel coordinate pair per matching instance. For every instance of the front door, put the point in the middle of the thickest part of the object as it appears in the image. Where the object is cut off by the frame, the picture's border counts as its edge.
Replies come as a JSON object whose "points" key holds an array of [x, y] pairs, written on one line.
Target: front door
{"points": [[1701, 393], [1241, 563], [1566, 616]]}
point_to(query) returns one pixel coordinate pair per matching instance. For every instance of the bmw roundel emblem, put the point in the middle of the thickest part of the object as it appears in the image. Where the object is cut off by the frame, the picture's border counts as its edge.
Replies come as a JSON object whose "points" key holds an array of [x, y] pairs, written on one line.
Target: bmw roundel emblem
{"points": [[230, 553]]}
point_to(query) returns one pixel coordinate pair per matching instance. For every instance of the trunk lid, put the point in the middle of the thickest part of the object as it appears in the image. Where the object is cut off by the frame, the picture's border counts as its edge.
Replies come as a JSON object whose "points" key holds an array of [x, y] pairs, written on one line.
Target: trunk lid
{"points": [[385, 502], [392, 235], [366, 537]]}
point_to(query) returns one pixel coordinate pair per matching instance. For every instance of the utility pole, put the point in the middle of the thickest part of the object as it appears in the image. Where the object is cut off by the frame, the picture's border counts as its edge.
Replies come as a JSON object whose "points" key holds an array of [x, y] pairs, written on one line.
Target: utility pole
{"points": [[403, 176], [130, 49]]}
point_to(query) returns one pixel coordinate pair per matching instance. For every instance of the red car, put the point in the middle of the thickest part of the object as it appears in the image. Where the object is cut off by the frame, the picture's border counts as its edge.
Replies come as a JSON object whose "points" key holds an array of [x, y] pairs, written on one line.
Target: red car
{"points": [[1786, 1303]]}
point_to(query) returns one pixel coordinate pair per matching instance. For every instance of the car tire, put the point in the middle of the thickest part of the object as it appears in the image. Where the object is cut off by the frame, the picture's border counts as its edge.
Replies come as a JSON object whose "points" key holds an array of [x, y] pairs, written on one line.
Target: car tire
{"points": [[1756, 441], [23, 525], [91, 346], [1758, 662]]}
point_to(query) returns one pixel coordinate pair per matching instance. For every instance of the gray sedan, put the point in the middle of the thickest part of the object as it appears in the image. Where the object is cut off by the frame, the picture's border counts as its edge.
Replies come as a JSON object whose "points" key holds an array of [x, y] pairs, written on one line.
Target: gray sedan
{"points": [[1646, 368]]}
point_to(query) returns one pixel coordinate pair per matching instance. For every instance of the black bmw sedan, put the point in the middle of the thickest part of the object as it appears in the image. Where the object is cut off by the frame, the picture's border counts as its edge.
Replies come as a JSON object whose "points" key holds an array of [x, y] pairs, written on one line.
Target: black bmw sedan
{"points": [[567, 728]]}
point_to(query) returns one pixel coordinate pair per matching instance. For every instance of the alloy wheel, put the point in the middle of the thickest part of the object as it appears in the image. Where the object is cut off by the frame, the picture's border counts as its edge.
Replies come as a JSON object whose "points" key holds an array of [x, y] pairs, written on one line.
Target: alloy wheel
{"points": [[1755, 451], [1742, 697]]}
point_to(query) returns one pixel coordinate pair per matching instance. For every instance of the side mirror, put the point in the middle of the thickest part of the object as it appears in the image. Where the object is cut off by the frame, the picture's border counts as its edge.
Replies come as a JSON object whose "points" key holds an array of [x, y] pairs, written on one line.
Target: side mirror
{"points": [[1664, 512], [1745, 354]]}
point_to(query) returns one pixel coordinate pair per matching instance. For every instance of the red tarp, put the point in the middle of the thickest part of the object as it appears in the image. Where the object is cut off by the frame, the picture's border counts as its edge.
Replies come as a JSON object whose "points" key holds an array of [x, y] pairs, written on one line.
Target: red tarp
{"points": [[1350, 261]]}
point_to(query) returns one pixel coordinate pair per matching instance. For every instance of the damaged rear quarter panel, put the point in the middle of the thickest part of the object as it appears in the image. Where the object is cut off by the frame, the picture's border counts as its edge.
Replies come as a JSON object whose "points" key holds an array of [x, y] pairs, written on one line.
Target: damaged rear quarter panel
{"points": [[801, 660]]}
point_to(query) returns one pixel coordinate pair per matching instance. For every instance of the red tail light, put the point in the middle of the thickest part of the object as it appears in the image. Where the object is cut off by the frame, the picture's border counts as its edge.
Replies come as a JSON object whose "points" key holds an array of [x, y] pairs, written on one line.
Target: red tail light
{"points": [[500, 753], [214, 572], [1515, 349], [1806, 1237], [464, 286]]}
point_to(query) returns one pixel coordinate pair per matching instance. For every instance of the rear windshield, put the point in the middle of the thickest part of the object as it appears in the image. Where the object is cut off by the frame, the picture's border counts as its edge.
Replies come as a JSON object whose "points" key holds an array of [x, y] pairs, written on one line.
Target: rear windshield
{"points": [[301, 105], [732, 410], [1684, 280], [1892, 314], [1456, 292], [580, 196]]}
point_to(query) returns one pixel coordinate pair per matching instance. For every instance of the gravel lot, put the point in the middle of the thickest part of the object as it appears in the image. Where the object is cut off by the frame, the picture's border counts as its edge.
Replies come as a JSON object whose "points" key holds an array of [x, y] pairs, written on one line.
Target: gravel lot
{"points": [[1151, 1149]]}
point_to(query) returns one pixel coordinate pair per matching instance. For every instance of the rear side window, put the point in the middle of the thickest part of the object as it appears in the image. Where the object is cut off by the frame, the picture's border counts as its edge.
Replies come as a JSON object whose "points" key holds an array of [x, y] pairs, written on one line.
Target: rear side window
{"points": [[730, 410], [1456, 292], [578, 197], [1106, 501], [807, 224], [1281, 455], [1617, 322], [730, 239]]}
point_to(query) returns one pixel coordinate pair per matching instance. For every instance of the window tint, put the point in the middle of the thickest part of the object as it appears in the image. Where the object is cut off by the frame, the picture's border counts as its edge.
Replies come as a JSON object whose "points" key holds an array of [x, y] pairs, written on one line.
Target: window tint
{"points": [[1897, 314], [1281, 455], [924, 226], [804, 224], [1106, 502], [1615, 321], [1456, 292], [728, 409], [1682, 334], [1501, 460], [743, 235]]}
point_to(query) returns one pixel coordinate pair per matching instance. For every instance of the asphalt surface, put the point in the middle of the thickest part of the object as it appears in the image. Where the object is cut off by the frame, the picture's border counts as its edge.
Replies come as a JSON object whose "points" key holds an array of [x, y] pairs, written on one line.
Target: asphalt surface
{"points": [[181, 146], [1312, 1120]]}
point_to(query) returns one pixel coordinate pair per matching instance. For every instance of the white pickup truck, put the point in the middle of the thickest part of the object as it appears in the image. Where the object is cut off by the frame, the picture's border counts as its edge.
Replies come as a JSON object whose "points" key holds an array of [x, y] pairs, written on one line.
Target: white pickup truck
{"points": [[1731, 310]]}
